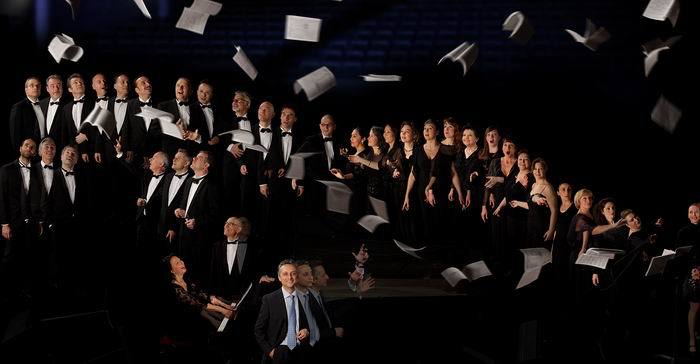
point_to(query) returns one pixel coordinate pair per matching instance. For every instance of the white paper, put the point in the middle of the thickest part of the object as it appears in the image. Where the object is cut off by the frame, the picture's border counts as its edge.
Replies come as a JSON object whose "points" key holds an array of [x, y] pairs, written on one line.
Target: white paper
{"points": [[519, 27], [593, 37], [371, 222], [666, 115], [603, 252], [667, 252], [297, 165], [465, 54], [63, 47], [73, 7], [657, 264], [379, 208], [337, 196], [256, 147], [528, 277], [103, 119], [302, 28], [315, 83], [222, 326], [407, 249], [381, 78], [652, 49], [244, 62], [143, 8], [192, 20], [165, 119], [536, 257], [238, 304], [206, 7], [453, 276], [663, 9], [476, 270], [598, 261]]}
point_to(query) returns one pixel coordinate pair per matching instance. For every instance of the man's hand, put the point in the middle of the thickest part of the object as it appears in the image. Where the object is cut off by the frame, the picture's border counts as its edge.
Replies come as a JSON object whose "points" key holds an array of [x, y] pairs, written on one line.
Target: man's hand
{"points": [[244, 170], [180, 213], [237, 150], [265, 191], [6, 231], [98, 157], [266, 279], [362, 255], [339, 332], [85, 157], [303, 334], [140, 202], [80, 138], [190, 223], [214, 140], [170, 235]]}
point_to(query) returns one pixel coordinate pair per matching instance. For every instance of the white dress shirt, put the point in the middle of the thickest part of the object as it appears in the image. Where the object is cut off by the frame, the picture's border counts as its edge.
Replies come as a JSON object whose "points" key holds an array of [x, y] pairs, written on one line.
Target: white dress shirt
{"points": [[184, 114], [209, 117], [265, 138], [286, 145], [147, 122], [235, 253], [51, 114], [120, 114], [152, 185], [25, 170], [193, 191], [77, 113], [70, 183], [175, 185], [48, 176]]}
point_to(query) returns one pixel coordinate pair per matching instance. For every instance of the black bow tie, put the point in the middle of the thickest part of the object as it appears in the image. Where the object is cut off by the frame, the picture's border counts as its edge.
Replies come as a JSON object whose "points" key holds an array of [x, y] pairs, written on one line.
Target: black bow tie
{"points": [[266, 130], [158, 176], [48, 166], [102, 99], [118, 101], [68, 173], [205, 106], [197, 180], [183, 103], [53, 103], [34, 103], [142, 104], [232, 242], [78, 101], [180, 175], [285, 133], [23, 166], [328, 139], [239, 118]]}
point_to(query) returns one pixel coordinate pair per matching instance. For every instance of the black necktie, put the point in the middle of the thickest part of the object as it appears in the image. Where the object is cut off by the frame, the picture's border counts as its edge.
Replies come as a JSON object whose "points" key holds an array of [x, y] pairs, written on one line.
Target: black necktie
{"points": [[142, 104], [48, 166], [205, 106], [180, 175], [265, 130], [285, 133], [53, 103], [328, 139], [78, 101], [197, 180], [118, 101], [102, 99], [68, 173], [183, 103]]}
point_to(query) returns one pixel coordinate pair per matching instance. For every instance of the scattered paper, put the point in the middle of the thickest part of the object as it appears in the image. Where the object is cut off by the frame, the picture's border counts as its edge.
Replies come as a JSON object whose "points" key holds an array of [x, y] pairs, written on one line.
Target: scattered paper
{"points": [[534, 260], [593, 37], [407, 249], [657, 265], [381, 78], [666, 115], [244, 62], [143, 8], [528, 277], [73, 7], [297, 165], [337, 196], [453, 276], [603, 252], [302, 28], [663, 9], [165, 118], [256, 147], [63, 47], [206, 7], [315, 83], [192, 20], [465, 54], [519, 27], [597, 261], [379, 208], [476, 270], [103, 119], [652, 49], [371, 222]]}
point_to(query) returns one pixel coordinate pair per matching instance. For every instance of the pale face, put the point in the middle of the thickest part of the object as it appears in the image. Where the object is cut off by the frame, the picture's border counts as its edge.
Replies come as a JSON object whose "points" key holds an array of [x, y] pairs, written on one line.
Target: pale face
{"points": [[372, 140], [469, 138], [509, 149], [493, 138], [524, 162], [609, 210], [156, 164], [694, 214], [355, 139], [232, 227], [28, 149], [48, 152], [327, 126], [633, 222], [69, 157], [204, 94], [199, 162], [564, 191], [122, 85], [406, 134], [429, 132], [55, 88], [538, 171], [32, 88], [143, 88], [179, 161], [448, 130], [240, 105], [389, 136], [182, 89], [99, 84], [586, 202], [304, 276], [177, 266], [287, 275], [266, 112], [320, 277], [76, 87], [288, 118]]}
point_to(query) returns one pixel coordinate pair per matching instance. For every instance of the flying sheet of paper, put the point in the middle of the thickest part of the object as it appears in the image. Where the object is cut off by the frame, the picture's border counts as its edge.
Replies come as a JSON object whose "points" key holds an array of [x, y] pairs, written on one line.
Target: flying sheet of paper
{"points": [[167, 125], [103, 119], [592, 38], [528, 277], [371, 222], [666, 115], [206, 7], [381, 78], [337, 196], [315, 83], [192, 20], [652, 49], [73, 7], [536, 257], [663, 9], [519, 27], [244, 62], [143, 8], [297, 165], [256, 147], [63, 47], [407, 249], [603, 252], [379, 208], [302, 28], [476, 270], [465, 54], [453, 275], [598, 261]]}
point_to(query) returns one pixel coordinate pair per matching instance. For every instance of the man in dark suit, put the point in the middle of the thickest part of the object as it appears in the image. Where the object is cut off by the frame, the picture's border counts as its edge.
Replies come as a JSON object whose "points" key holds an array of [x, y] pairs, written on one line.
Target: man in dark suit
{"points": [[46, 169], [199, 209], [145, 135], [325, 144], [20, 199], [281, 329], [73, 114], [26, 118], [149, 204], [99, 85], [188, 115], [51, 108], [330, 341], [117, 106], [231, 167], [172, 196]]}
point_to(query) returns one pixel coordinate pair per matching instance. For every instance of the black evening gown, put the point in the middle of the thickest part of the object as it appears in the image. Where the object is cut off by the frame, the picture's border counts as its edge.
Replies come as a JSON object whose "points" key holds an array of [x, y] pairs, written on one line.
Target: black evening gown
{"points": [[404, 223], [537, 225], [516, 217], [423, 169], [470, 218]]}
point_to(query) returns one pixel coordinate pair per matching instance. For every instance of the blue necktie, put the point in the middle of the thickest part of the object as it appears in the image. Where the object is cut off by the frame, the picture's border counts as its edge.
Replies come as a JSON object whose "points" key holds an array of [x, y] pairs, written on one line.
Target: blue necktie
{"points": [[310, 318], [292, 325]]}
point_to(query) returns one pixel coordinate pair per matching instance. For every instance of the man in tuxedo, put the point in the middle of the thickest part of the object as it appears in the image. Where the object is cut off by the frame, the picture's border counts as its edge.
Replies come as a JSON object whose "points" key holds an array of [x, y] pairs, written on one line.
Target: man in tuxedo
{"points": [[172, 196], [20, 199], [149, 204], [212, 121], [145, 135], [282, 330], [51, 108], [73, 114], [231, 167], [26, 118], [46, 169], [99, 85], [199, 211], [117, 106], [188, 116], [325, 144]]}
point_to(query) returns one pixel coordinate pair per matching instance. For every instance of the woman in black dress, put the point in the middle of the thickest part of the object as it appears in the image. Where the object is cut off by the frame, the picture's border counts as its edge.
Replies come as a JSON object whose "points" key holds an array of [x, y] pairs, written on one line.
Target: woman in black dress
{"points": [[471, 175], [561, 251], [401, 163], [356, 180], [448, 180], [543, 208], [514, 203], [372, 165]]}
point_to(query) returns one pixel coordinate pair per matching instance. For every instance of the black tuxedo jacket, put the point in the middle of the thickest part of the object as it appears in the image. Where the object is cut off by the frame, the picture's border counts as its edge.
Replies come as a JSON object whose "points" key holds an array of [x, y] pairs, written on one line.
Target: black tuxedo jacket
{"points": [[258, 164], [271, 325], [318, 165], [57, 124], [276, 158], [18, 204], [23, 124], [69, 131], [141, 141], [218, 125], [45, 192], [204, 208], [153, 205], [233, 284], [60, 206], [166, 217]]}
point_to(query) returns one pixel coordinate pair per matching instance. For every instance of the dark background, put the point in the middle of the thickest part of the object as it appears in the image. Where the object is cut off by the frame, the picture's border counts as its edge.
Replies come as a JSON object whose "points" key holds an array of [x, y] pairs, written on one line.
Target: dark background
{"points": [[586, 112]]}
